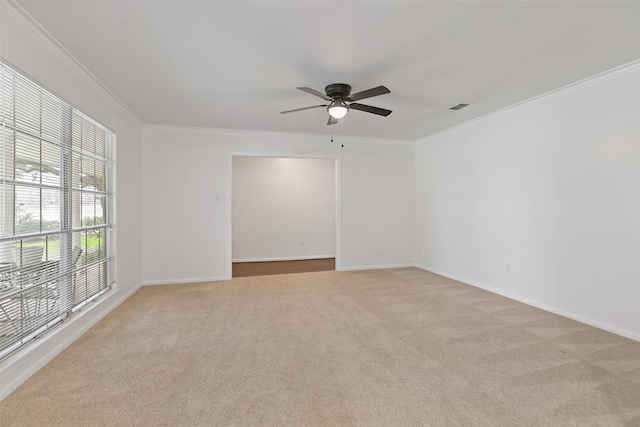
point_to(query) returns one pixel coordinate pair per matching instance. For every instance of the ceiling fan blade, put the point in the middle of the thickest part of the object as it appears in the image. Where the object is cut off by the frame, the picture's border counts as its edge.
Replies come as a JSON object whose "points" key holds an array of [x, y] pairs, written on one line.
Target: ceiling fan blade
{"points": [[316, 93], [332, 120], [302, 109], [370, 109], [380, 90]]}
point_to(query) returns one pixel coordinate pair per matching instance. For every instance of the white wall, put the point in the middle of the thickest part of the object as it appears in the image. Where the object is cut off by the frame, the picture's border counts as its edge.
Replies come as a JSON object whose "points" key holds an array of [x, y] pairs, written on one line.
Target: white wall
{"points": [[283, 208], [549, 190], [31, 51], [187, 235]]}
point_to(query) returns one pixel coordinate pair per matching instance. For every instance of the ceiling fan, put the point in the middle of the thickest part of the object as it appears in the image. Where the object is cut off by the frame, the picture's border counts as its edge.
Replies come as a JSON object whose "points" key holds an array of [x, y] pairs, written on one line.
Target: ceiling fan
{"points": [[341, 101]]}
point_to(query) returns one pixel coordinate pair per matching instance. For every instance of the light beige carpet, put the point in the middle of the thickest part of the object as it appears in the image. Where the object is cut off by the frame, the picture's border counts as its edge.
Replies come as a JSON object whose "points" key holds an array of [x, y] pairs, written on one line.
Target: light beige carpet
{"points": [[377, 348]]}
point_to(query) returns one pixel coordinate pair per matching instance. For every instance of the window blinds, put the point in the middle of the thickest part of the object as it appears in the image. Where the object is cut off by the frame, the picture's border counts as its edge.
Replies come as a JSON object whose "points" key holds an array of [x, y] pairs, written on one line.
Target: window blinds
{"points": [[56, 210]]}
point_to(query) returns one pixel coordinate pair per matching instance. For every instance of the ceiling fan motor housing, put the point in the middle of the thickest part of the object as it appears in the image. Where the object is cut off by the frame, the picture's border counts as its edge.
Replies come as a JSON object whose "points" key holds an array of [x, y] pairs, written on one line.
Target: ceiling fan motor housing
{"points": [[338, 90]]}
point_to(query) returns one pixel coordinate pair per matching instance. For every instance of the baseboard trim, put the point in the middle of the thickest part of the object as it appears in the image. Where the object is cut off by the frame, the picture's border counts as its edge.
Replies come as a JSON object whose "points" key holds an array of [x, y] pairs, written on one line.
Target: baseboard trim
{"points": [[374, 267], [537, 304], [20, 366], [283, 258], [185, 281]]}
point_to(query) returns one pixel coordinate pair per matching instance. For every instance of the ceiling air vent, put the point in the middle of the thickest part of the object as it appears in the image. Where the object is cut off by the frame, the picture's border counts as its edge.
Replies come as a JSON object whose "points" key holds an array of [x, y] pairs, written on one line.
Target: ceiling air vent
{"points": [[458, 107]]}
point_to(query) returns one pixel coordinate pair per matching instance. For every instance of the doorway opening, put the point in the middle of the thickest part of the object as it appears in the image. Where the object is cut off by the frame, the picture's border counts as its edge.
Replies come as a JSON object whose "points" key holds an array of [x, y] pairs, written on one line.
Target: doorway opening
{"points": [[285, 214]]}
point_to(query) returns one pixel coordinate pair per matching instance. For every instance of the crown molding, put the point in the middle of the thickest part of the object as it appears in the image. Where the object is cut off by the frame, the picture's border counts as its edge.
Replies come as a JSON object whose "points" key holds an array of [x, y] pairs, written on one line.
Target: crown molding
{"points": [[564, 90], [58, 50], [62, 53], [271, 134]]}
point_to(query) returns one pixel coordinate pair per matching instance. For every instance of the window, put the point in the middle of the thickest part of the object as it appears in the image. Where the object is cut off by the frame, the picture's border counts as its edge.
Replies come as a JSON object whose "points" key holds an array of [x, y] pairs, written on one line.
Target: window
{"points": [[56, 210]]}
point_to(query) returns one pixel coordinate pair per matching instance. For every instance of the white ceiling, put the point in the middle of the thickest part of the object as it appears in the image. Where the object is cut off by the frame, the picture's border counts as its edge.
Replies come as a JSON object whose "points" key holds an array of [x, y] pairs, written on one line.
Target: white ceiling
{"points": [[236, 64]]}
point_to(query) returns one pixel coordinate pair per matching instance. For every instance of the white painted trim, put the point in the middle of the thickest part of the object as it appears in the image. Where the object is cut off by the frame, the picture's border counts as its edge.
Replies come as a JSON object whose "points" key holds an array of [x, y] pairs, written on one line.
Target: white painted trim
{"points": [[537, 304], [229, 192], [270, 134], [283, 258], [55, 47], [338, 213], [572, 87], [282, 156], [186, 281], [375, 267], [21, 365]]}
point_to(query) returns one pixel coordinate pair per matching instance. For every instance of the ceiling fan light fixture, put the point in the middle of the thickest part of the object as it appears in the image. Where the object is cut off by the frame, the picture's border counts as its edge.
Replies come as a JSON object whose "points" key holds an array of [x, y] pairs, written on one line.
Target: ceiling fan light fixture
{"points": [[338, 109]]}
